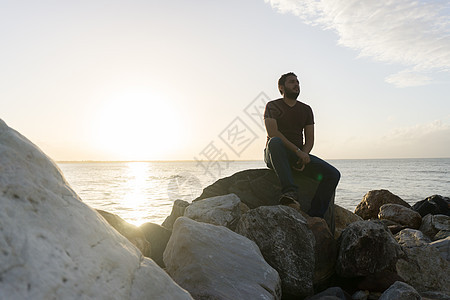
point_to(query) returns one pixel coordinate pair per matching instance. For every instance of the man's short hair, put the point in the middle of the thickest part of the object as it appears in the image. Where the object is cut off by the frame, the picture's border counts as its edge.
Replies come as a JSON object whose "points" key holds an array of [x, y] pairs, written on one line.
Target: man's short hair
{"points": [[282, 80]]}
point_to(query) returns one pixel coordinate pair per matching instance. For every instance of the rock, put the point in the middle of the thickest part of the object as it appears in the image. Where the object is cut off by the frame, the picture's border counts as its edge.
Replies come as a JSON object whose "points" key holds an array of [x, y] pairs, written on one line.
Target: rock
{"points": [[325, 250], [379, 282], [400, 291], [220, 210], [360, 295], [412, 238], [434, 224], [332, 293], [213, 262], [370, 205], [443, 246], [435, 205], [442, 234], [261, 187], [179, 206], [286, 243], [434, 295], [53, 246], [131, 232], [158, 237], [343, 218], [424, 269], [401, 215], [366, 247]]}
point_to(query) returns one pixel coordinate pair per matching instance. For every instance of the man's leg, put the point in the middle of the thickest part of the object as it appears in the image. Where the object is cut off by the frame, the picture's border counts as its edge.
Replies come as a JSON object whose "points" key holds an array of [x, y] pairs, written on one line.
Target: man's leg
{"points": [[279, 158], [328, 177]]}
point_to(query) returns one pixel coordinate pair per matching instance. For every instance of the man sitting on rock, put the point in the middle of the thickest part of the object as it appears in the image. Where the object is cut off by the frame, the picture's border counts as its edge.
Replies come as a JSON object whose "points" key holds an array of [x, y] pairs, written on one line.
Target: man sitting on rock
{"points": [[286, 119]]}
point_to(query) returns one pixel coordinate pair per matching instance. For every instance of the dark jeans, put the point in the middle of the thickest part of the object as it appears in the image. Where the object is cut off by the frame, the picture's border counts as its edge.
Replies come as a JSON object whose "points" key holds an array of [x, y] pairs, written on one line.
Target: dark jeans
{"points": [[280, 159]]}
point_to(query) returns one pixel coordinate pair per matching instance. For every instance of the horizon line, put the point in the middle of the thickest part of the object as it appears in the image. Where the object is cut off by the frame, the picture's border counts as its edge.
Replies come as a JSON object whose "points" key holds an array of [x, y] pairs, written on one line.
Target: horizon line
{"points": [[191, 160]]}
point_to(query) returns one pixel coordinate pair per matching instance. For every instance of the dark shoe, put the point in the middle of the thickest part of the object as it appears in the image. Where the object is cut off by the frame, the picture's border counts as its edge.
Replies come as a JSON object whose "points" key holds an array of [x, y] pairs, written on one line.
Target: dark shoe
{"points": [[290, 199]]}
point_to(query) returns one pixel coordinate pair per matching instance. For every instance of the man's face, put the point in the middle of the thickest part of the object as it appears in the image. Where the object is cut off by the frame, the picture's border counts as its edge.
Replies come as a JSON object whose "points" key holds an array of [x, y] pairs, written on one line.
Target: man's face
{"points": [[291, 88]]}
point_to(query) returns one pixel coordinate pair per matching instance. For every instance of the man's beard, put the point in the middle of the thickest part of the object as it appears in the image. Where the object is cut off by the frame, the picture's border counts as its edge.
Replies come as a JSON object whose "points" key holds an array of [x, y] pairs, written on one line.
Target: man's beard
{"points": [[292, 94]]}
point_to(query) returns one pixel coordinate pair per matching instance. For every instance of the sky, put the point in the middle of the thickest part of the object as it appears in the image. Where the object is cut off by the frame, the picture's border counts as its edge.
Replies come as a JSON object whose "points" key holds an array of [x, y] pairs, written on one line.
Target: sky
{"points": [[188, 80]]}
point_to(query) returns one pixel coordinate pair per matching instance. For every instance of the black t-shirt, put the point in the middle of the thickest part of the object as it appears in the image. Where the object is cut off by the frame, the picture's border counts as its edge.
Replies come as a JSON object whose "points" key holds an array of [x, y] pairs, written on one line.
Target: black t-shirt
{"points": [[290, 120]]}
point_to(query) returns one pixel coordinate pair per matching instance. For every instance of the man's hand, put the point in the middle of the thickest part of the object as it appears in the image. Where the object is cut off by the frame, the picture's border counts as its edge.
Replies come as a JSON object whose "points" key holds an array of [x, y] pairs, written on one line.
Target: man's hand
{"points": [[303, 159]]}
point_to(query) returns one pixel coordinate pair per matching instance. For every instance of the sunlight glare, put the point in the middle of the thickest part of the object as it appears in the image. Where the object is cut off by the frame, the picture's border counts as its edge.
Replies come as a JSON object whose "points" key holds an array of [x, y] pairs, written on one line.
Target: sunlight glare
{"points": [[137, 126]]}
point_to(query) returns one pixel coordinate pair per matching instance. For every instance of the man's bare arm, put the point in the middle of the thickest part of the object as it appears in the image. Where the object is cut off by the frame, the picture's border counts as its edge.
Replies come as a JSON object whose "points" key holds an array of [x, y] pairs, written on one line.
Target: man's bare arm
{"points": [[309, 138]]}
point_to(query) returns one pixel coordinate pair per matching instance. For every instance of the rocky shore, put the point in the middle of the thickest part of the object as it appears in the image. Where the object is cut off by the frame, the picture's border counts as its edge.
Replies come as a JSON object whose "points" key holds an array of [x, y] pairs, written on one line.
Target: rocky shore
{"points": [[233, 242]]}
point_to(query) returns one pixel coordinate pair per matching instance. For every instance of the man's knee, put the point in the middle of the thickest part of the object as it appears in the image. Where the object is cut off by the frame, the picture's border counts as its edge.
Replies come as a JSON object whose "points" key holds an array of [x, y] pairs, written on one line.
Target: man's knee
{"points": [[274, 142]]}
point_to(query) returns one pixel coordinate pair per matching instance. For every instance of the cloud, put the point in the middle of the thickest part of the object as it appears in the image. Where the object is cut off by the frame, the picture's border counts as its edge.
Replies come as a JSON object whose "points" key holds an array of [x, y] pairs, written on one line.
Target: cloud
{"points": [[422, 140], [408, 78], [415, 34]]}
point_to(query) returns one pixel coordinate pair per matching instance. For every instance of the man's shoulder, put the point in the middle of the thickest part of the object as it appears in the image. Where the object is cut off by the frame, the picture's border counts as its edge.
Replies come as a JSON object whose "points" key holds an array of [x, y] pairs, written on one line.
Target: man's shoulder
{"points": [[275, 101], [303, 104]]}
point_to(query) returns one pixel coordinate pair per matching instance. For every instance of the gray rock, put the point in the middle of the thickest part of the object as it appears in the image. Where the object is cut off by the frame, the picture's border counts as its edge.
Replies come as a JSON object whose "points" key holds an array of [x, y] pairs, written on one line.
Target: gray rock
{"points": [[360, 295], [400, 291], [443, 246], [220, 210], [286, 243], [53, 246], [424, 269], [213, 262], [370, 205], [412, 238], [433, 224], [332, 293], [366, 247], [401, 215], [343, 218], [434, 295], [179, 206]]}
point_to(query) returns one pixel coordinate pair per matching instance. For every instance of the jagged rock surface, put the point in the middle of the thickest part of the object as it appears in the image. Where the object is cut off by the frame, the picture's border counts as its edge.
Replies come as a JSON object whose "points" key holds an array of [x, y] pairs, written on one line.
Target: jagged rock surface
{"points": [[220, 210], [287, 244], [213, 262]]}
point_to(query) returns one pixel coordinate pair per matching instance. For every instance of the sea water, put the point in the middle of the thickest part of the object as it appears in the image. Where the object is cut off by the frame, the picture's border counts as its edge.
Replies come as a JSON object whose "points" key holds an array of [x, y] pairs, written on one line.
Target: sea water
{"points": [[142, 192]]}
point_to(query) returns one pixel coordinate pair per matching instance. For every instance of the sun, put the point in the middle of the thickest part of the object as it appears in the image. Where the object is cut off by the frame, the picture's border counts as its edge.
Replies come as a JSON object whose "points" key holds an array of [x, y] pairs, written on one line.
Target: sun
{"points": [[137, 126]]}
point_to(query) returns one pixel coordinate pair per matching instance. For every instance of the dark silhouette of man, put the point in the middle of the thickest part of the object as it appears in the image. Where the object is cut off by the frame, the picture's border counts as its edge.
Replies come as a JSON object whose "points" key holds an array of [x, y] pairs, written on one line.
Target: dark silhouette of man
{"points": [[290, 139]]}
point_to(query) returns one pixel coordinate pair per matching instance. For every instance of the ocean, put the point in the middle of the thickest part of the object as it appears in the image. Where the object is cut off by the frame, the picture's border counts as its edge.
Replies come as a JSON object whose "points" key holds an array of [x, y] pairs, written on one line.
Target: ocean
{"points": [[142, 192]]}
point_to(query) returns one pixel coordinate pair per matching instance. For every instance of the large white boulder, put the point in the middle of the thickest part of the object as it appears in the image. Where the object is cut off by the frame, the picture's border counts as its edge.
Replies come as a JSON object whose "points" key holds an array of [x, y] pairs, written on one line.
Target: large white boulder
{"points": [[53, 246], [213, 262]]}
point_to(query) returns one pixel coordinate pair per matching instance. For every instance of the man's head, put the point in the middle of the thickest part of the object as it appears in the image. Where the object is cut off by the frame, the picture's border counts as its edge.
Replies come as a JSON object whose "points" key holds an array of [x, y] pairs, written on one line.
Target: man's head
{"points": [[289, 86]]}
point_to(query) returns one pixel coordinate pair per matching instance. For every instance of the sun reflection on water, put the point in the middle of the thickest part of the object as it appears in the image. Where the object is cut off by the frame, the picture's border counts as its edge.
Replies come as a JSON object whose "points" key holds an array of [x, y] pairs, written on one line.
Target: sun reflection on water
{"points": [[137, 182]]}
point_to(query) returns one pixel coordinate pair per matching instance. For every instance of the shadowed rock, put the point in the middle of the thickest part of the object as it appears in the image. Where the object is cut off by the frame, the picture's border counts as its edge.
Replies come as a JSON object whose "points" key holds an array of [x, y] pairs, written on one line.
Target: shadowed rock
{"points": [[366, 247], [261, 187], [400, 291], [131, 232], [178, 208], [435, 205], [158, 237], [343, 218], [436, 227], [286, 243]]}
